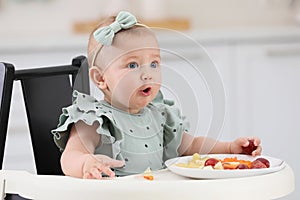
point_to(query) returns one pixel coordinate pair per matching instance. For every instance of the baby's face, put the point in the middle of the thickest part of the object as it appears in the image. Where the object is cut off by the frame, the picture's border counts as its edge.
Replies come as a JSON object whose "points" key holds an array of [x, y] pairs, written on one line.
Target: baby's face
{"points": [[131, 71]]}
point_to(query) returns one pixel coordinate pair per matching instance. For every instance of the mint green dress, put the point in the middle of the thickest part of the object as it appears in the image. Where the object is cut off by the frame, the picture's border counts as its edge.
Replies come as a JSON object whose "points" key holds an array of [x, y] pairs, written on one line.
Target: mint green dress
{"points": [[143, 140]]}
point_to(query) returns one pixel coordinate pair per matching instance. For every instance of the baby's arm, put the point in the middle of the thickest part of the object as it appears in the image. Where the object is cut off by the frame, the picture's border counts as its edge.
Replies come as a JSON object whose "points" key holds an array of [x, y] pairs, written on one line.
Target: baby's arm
{"points": [[78, 159], [204, 145]]}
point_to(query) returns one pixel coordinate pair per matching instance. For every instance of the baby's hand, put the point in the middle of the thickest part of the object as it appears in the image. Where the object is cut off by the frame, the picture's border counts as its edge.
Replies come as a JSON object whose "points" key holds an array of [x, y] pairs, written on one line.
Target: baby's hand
{"points": [[95, 165], [245, 145]]}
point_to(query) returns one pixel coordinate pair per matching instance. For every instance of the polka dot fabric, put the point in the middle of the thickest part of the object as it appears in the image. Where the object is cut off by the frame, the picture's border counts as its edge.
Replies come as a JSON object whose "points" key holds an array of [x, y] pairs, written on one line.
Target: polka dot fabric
{"points": [[143, 140]]}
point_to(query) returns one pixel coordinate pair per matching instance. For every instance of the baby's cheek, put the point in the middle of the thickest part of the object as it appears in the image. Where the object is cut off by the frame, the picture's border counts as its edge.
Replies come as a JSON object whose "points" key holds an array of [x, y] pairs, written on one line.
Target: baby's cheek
{"points": [[127, 90], [157, 76]]}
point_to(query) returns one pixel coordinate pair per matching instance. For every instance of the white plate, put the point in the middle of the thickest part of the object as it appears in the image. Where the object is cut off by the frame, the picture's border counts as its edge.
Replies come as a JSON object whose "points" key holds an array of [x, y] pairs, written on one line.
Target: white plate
{"points": [[275, 165]]}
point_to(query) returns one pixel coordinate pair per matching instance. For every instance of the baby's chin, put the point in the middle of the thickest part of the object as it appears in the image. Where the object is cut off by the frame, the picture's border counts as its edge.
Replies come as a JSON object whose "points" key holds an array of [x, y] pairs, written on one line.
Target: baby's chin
{"points": [[136, 102], [140, 103]]}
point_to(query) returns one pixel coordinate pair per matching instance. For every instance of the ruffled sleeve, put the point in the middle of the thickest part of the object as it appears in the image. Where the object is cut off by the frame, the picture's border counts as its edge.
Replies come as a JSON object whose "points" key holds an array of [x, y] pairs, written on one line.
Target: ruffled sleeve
{"points": [[87, 109], [174, 127]]}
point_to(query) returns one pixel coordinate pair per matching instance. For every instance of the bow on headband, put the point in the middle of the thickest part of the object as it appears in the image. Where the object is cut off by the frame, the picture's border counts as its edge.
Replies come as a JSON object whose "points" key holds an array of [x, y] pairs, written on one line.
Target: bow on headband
{"points": [[105, 35]]}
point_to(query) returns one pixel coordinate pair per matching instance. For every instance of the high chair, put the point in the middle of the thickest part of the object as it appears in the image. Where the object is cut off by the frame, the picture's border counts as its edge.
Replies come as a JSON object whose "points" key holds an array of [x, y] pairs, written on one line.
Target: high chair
{"points": [[6, 83], [45, 90]]}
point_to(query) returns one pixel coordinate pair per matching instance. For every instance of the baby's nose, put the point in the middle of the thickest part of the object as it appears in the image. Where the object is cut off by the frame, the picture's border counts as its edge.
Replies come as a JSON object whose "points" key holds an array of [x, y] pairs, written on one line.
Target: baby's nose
{"points": [[146, 77]]}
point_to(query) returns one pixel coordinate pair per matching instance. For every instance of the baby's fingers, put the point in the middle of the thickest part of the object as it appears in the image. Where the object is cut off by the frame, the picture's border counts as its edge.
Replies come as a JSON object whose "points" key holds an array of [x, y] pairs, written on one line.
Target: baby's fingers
{"points": [[108, 172], [96, 172], [115, 163], [256, 141], [257, 151], [93, 173], [107, 161]]}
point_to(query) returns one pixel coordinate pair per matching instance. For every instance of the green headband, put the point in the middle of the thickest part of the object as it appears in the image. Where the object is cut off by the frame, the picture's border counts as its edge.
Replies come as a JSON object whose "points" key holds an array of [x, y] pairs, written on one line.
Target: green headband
{"points": [[105, 35]]}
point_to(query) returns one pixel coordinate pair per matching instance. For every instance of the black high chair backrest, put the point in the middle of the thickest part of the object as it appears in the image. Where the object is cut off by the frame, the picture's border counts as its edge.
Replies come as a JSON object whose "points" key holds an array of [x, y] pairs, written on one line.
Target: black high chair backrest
{"points": [[46, 90], [6, 83]]}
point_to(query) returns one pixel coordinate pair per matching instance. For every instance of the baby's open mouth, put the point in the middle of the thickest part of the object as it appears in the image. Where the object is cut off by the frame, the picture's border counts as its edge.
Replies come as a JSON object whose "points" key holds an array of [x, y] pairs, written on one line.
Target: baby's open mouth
{"points": [[146, 91]]}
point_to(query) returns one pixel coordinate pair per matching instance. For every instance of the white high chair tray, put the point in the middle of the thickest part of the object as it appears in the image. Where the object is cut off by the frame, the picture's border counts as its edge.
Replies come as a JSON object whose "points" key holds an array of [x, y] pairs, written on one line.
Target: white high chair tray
{"points": [[166, 185]]}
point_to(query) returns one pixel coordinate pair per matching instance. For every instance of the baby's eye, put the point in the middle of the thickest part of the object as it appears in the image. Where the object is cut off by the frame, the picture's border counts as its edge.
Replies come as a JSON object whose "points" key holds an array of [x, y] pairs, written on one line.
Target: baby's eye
{"points": [[154, 64], [132, 65]]}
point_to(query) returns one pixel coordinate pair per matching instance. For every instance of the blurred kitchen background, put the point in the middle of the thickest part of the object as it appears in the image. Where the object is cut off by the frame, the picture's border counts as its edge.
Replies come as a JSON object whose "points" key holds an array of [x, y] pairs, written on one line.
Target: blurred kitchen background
{"points": [[255, 45]]}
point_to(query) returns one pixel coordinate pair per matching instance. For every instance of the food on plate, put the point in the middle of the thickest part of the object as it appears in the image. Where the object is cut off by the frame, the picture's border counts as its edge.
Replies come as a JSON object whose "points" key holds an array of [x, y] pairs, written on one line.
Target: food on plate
{"points": [[219, 165], [148, 174], [233, 163], [242, 166], [265, 161], [250, 148], [228, 163], [257, 164], [211, 162]]}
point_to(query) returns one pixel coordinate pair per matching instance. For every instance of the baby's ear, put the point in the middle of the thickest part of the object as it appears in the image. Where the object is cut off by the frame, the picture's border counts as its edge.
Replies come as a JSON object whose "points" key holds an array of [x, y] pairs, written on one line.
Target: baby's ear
{"points": [[97, 78]]}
